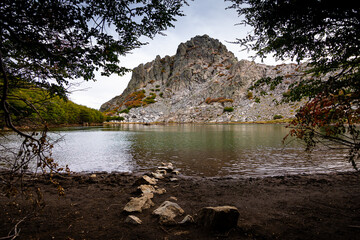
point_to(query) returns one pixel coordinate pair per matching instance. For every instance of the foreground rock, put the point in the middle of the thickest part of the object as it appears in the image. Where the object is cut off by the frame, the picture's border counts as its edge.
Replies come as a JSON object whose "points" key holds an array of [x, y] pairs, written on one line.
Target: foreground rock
{"points": [[167, 167], [146, 180], [139, 203], [144, 189], [167, 212], [157, 175], [220, 219]]}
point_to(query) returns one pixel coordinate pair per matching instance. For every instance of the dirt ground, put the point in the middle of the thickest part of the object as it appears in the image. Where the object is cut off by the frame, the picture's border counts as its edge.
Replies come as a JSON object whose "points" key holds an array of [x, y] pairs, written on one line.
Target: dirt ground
{"points": [[322, 206]]}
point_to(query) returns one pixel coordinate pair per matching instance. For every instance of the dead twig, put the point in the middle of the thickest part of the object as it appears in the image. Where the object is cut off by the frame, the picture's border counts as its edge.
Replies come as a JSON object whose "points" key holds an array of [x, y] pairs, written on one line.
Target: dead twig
{"points": [[15, 231]]}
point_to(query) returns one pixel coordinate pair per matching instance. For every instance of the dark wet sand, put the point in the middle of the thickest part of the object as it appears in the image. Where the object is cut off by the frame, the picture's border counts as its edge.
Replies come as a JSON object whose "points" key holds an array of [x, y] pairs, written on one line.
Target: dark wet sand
{"points": [[321, 206]]}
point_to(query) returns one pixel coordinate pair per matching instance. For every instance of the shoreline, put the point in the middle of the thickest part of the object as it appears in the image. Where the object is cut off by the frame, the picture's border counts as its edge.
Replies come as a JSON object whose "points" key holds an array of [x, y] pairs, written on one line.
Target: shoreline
{"points": [[309, 206], [284, 121], [54, 127]]}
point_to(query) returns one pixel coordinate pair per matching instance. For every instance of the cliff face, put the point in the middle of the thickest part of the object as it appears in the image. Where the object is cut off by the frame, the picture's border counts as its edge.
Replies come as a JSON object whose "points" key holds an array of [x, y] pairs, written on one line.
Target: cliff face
{"points": [[203, 82]]}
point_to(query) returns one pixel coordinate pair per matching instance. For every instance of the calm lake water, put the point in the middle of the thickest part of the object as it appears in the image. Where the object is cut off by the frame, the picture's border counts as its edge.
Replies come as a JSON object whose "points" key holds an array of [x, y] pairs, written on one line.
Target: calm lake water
{"points": [[202, 150], [243, 150]]}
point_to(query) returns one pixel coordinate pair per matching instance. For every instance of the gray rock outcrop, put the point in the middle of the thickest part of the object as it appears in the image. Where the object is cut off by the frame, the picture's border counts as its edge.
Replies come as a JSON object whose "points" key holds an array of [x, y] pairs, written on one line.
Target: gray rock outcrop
{"points": [[203, 82]]}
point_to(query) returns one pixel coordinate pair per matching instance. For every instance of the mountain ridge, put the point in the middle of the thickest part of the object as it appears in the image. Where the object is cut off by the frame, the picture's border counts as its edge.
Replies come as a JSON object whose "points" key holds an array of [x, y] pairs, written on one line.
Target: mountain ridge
{"points": [[202, 82]]}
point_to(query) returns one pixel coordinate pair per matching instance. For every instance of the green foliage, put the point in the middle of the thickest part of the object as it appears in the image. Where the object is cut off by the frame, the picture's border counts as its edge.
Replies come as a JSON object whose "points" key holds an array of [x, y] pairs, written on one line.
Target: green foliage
{"points": [[64, 40], [138, 99], [126, 110], [263, 93], [325, 34], [228, 109], [150, 99], [134, 100], [250, 95], [277, 116], [257, 100], [287, 94], [47, 44], [52, 110], [161, 94]]}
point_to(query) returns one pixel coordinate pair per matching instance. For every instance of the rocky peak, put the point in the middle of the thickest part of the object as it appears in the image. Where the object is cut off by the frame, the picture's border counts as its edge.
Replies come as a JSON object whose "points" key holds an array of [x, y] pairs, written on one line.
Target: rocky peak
{"points": [[201, 46], [195, 85]]}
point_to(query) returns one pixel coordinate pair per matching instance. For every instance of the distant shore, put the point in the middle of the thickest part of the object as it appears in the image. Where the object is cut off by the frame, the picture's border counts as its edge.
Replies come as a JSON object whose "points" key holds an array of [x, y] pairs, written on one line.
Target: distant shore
{"points": [[277, 121]]}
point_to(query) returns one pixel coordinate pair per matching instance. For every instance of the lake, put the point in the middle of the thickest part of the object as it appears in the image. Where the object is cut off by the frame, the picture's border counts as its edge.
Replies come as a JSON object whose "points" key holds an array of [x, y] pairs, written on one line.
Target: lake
{"points": [[234, 150]]}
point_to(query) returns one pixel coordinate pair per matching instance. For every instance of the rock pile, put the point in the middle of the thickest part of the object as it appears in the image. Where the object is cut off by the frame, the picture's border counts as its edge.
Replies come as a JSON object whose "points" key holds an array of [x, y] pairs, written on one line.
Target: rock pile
{"points": [[146, 187], [220, 218]]}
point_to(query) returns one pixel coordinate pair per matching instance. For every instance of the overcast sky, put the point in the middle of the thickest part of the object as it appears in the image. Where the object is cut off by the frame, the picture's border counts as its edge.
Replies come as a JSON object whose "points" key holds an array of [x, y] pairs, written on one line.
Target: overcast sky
{"points": [[202, 17]]}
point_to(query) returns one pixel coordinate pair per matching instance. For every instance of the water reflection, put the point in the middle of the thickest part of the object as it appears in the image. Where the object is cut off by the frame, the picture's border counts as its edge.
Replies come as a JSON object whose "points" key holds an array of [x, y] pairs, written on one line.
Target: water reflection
{"points": [[202, 150], [218, 150], [94, 150]]}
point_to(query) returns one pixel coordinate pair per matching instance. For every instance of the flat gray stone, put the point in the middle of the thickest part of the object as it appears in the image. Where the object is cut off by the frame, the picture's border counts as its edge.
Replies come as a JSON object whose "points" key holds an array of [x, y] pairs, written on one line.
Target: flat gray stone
{"points": [[167, 212], [139, 203], [157, 175], [146, 180], [151, 189]]}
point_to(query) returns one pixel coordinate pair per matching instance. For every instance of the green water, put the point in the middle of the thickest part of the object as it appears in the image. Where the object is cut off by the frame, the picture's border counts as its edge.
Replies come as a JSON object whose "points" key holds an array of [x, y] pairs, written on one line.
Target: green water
{"points": [[242, 150], [201, 150]]}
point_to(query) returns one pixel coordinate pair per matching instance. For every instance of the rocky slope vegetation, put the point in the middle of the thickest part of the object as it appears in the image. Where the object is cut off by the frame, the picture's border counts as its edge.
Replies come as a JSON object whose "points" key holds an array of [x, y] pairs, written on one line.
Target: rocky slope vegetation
{"points": [[203, 82]]}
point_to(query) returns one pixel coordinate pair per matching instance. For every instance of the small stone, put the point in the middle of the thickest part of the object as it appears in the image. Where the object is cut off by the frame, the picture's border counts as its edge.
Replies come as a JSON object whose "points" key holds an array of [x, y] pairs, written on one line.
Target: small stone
{"points": [[163, 172], [160, 191], [146, 188], [133, 220], [221, 218], [173, 179], [145, 180], [173, 198], [168, 211], [188, 219], [168, 167], [157, 175], [93, 175], [139, 203], [167, 220]]}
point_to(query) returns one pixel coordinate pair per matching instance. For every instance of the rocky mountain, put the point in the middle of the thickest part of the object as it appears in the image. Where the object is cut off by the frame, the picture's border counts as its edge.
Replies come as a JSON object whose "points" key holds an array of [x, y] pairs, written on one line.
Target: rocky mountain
{"points": [[203, 82]]}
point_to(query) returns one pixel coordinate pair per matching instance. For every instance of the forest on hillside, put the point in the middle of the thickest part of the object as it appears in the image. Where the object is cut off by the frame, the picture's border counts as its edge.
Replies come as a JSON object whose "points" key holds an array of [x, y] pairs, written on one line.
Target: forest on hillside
{"points": [[34, 105]]}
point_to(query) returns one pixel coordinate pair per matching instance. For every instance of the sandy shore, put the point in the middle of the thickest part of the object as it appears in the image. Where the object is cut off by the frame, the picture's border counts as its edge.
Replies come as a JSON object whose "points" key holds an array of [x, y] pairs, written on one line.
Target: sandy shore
{"points": [[322, 206]]}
